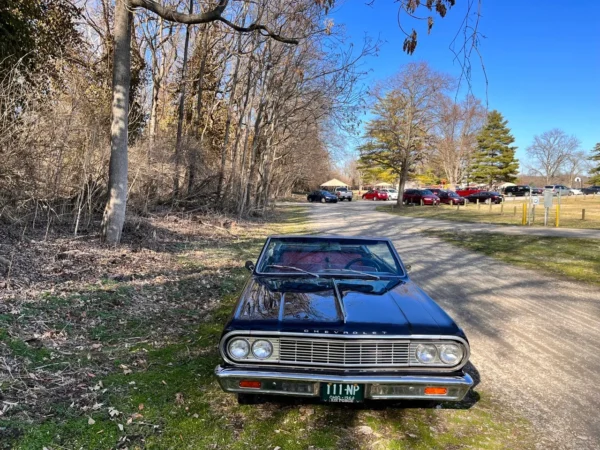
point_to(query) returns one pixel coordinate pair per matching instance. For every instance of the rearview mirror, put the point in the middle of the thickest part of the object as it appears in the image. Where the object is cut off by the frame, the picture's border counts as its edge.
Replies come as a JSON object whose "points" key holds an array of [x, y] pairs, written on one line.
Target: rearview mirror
{"points": [[249, 265]]}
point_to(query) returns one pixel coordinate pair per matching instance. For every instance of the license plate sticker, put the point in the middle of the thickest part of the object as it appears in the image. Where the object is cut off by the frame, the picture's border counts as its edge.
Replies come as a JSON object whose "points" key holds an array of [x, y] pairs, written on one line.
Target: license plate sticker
{"points": [[342, 392]]}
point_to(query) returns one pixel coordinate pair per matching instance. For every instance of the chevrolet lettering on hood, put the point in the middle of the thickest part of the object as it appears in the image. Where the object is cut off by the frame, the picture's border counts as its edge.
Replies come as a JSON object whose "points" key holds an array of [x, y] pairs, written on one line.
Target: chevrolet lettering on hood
{"points": [[344, 332], [338, 318]]}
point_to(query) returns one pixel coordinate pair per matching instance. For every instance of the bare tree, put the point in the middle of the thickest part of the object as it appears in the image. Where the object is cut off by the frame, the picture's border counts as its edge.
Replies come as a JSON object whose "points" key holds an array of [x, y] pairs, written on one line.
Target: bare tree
{"points": [[457, 126], [114, 213], [404, 117], [550, 152]]}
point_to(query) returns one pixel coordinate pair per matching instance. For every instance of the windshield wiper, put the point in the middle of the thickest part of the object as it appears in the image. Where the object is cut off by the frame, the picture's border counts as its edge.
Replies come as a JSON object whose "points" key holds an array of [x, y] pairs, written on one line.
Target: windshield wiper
{"points": [[276, 266], [375, 277]]}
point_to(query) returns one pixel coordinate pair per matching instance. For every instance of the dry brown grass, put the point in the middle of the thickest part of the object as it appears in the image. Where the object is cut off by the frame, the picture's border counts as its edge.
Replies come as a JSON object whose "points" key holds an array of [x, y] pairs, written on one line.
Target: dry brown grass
{"points": [[511, 212]]}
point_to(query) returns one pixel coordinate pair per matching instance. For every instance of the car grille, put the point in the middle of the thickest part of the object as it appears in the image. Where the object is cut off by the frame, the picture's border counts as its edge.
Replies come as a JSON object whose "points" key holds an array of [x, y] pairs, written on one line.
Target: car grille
{"points": [[344, 353]]}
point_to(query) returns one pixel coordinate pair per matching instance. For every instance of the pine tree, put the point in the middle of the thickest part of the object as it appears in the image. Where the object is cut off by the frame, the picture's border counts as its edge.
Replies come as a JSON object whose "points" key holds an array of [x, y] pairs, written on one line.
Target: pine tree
{"points": [[595, 172], [494, 161]]}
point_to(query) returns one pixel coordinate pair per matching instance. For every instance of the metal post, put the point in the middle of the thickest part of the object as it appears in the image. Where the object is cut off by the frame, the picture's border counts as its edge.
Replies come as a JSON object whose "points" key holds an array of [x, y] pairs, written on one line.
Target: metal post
{"points": [[478, 204], [515, 212], [501, 208], [546, 216], [583, 214], [557, 220]]}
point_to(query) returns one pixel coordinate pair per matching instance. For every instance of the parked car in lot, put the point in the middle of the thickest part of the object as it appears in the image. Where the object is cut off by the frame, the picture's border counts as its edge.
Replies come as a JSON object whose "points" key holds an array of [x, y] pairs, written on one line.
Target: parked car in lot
{"points": [[392, 193], [486, 197], [338, 319], [591, 190], [322, 196], [450, 197], [420, 196], [517, 191], [575, 191], [343, 193], [375, 194], [558, 189], [537, 191]]}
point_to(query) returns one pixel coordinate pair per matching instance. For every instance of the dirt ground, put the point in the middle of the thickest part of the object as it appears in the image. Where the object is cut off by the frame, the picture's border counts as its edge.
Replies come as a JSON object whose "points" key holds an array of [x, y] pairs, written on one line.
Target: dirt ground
{"points": [[534, 338]]}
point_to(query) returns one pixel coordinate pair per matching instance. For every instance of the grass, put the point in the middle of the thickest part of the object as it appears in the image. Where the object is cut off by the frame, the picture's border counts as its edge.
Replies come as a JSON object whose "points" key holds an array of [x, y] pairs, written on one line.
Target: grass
{"points": [[511, 212], [575, 259], [150, 383]]}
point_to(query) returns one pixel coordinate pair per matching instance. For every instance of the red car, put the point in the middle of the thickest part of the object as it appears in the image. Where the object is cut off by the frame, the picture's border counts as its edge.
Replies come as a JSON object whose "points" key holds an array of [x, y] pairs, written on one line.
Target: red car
{"points": [[375, 195], [449, 197], [420, 196]]}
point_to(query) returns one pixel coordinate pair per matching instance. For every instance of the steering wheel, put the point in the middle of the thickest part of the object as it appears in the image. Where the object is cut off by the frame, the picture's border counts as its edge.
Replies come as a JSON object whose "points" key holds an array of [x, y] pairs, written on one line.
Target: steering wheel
{"points": [[366, 262]]}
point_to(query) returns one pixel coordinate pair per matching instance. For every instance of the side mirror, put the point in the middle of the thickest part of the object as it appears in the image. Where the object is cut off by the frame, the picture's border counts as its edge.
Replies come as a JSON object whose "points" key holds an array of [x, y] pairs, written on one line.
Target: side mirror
{"points": [[249, 265], [408, 267]]}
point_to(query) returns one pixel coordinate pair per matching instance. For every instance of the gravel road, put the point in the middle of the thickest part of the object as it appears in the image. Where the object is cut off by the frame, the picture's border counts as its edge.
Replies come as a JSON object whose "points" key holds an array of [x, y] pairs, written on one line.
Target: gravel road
{"points": [[535, 340]]}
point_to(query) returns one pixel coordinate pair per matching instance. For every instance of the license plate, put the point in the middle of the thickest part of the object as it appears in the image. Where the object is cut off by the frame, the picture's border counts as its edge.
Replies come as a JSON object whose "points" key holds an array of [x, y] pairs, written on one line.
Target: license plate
{"points": [[342, 392]]}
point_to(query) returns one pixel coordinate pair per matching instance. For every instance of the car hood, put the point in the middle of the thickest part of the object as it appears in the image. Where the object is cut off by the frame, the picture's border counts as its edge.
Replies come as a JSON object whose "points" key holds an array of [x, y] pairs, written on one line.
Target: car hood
{"points": [[396, 307]]}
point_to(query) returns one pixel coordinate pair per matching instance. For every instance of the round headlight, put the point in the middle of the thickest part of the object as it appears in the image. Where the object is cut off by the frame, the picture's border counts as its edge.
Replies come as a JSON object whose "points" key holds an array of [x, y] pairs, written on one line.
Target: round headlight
{"points": [[426, 353], [262, 349], [451, 354], [239, 348]]}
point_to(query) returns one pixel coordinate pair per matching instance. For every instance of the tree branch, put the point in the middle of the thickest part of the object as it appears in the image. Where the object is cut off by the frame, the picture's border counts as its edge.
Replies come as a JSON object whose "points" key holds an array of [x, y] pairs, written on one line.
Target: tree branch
{"points": [[213, 15]]}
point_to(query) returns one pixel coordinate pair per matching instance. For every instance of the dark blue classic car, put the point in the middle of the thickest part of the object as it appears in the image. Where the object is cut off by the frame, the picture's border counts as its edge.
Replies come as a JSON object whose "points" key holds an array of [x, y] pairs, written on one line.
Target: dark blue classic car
{"points": [[338, 318]]}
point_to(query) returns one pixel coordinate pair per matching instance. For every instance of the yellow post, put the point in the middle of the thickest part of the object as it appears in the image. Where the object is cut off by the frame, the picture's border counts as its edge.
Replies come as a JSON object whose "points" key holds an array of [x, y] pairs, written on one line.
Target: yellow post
{"points": [[557, 222], [524, 218]]}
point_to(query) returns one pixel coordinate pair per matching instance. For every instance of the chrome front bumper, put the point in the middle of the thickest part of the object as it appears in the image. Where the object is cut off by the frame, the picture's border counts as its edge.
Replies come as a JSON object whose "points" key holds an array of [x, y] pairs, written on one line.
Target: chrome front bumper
{"points": [[377, 387]]}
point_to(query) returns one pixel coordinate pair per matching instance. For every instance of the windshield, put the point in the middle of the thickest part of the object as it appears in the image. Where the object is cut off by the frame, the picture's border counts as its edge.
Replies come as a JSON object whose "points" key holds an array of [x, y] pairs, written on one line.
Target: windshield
{"points": [[426, 192], [392, 191], [323, 257], [452, 194]]}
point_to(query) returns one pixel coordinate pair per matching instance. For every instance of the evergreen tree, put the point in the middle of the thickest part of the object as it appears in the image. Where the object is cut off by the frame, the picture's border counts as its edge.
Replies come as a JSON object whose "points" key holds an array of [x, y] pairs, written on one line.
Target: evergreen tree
{"points": [[595, 172], [494, 161]]}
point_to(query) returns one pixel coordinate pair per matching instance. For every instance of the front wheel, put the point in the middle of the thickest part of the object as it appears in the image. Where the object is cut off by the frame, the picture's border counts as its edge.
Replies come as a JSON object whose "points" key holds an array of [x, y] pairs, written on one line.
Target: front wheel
{"points": [[322, 200], [349, 199], [374, 198]]}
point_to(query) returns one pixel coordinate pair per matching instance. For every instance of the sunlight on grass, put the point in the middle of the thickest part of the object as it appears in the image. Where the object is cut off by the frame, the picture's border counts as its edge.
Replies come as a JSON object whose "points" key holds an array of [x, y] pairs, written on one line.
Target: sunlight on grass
{"points": [[577, 259], [511, 212]]}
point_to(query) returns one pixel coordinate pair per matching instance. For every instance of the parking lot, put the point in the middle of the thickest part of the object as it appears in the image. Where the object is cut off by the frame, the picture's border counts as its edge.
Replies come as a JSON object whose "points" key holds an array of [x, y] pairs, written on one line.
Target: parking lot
{"points": [[533, 337]]}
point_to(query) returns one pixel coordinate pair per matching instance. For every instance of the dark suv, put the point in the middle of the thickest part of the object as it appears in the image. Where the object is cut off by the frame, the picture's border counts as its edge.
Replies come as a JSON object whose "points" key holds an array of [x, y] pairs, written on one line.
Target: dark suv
{"points": [[517, 191], [591, 190]]}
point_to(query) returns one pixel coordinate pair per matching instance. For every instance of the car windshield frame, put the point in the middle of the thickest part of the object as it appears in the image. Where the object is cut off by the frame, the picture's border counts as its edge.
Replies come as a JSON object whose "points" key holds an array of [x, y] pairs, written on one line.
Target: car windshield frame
{"points": [[425, 192], [262, 263]]}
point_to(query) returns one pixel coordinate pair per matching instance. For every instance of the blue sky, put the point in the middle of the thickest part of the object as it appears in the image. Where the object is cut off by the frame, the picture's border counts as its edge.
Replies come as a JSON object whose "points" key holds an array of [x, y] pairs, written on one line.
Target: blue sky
{"points": [[542, 62]]}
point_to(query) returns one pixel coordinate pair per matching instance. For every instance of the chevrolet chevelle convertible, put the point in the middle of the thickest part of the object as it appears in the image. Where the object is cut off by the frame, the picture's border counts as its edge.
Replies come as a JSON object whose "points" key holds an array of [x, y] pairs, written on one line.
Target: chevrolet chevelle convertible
{"points": [[339, 319]]}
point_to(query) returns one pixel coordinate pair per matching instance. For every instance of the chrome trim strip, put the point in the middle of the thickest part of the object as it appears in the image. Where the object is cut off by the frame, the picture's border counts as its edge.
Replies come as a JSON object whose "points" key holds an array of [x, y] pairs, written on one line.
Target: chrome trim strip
{"points": [[340, 299], [416, 337], [464, 382]]}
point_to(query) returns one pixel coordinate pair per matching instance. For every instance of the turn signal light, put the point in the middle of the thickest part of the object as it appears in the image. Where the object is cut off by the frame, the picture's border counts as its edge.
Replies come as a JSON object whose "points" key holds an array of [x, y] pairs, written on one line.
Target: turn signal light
{"points": [[250, 384], [436, 391]]}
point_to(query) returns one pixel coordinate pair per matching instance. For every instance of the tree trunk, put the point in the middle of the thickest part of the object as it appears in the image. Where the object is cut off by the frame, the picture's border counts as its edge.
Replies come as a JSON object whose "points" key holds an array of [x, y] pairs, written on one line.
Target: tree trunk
{"points": [[228, 124], [402, 182], [178, 143], [114, 212]]}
